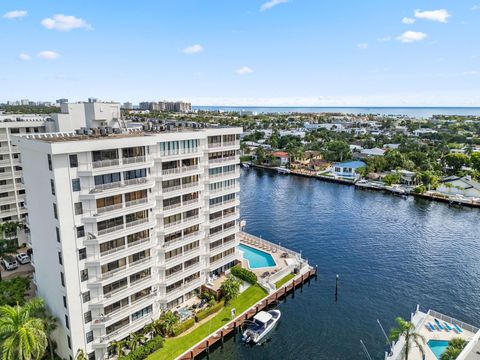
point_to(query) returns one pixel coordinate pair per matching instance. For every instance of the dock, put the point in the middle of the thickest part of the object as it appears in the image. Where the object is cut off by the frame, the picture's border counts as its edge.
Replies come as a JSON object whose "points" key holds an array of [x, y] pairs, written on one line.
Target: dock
{"points": [[234, 326]]}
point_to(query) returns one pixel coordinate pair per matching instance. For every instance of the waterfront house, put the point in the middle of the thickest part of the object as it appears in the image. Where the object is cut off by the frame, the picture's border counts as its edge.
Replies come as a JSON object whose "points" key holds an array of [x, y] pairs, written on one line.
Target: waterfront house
{"points": [[465, 186], [281, 156], [348, 169], [407, 177]]}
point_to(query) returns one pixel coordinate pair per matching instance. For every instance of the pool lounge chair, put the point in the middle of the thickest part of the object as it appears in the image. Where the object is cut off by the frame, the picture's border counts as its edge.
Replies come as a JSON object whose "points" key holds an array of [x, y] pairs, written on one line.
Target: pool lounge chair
{"points": [[447, 326], [458, 328], [430, 327], [438, 324]]}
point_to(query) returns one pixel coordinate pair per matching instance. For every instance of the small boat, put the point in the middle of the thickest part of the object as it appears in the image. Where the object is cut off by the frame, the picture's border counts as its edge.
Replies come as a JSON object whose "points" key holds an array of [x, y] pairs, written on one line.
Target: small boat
{"points": [[261, 325], [282, 170], [246, 165]]}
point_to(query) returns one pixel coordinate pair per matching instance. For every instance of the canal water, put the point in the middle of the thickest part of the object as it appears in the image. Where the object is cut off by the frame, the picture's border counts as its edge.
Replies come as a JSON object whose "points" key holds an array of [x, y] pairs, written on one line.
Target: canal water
{"points": [[391, 254]]}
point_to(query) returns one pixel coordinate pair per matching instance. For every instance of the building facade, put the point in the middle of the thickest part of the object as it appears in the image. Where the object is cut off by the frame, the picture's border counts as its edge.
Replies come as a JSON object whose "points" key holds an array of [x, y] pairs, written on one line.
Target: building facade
{"points": [[126, 226]]}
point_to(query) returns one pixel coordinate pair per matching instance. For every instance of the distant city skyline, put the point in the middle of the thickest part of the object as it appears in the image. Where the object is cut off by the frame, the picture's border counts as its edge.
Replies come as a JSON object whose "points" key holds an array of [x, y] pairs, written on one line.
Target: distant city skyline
{"points": [[249, 53]]}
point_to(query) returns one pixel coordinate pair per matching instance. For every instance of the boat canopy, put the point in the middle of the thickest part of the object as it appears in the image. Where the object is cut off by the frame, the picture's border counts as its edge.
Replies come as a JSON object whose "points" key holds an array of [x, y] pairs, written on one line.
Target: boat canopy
{"points": [[263, 317]]}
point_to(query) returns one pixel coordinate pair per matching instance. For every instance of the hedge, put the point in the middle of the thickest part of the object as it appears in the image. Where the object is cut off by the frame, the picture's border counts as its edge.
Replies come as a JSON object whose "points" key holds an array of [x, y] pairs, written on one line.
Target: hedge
{"points": [[180, 328], [244, 274], [208, 311], [143, 351]]}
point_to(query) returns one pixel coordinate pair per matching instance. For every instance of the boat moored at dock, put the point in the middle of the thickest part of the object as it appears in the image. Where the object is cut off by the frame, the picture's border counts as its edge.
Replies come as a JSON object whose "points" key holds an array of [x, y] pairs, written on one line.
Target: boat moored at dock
{"points": [[261, 325]]}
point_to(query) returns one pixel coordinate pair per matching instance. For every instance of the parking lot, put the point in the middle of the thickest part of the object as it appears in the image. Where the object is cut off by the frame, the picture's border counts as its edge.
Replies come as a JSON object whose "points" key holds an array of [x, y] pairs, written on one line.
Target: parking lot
{"points": [[25, 270]]}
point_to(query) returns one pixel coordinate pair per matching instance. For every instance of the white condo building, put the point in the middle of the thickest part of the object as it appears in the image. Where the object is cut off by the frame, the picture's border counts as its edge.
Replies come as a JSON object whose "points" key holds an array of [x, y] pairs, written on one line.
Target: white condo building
{"points": [[125, 226]]}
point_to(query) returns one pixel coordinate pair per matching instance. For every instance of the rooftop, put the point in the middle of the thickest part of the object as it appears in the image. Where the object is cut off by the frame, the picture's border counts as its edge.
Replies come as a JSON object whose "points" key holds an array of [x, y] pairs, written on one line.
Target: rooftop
{"points": [[351, 164]]}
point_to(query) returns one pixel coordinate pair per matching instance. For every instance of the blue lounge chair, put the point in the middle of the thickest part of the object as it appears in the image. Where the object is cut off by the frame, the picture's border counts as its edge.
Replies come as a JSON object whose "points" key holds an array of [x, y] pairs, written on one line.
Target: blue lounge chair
{"points": [[447, 326], [459, 330], [438, 324], [432, 327]]}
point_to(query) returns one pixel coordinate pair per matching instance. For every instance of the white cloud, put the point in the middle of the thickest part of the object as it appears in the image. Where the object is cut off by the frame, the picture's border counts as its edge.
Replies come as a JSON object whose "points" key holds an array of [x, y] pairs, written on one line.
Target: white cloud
{"points": [[48, 55], [411, 36], [62, 22], [24, 57], [475, 7], [440, 15], [270, 4], [362, 46], [384, 39], [244, 70], [15, 14], [408, 21], [194, 49]]}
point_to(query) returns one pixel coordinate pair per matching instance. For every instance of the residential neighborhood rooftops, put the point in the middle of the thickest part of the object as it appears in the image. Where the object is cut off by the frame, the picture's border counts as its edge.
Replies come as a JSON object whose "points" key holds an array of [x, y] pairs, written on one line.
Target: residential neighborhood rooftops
{"points": [[373, 152], [280, 154]]}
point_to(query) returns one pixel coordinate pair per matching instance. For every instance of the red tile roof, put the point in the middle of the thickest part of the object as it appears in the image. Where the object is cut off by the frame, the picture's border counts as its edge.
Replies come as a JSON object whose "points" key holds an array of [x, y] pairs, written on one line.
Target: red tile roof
{"points": [[280, 154]]}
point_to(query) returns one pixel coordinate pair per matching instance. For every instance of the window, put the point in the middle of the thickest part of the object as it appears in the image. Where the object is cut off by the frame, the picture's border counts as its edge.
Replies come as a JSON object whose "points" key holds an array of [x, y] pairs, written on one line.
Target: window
{"points": [[86, 296], [78, 208], [65, 301], [141, 313], [84, 275], [55, 213], [69, 342], [60, 260], [49, 157], [80, 231], [52, 186], [75, 185], [87, 316], [62, 279], [57, 230], [82, 254], [91, 356], [73, 161], [67, 323], [89, 337]]}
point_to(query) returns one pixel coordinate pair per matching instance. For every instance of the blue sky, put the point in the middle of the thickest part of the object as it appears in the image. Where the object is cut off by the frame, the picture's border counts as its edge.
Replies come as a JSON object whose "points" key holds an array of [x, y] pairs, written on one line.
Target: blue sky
{"points": [[244, 52]]}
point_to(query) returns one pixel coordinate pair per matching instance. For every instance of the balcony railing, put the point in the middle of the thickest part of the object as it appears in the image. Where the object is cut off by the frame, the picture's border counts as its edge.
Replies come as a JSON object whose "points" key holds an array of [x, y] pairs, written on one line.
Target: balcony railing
{"points": [[223, 160], [136, 202], [180, 170], [108, 208], [110, 229], [179, 152], [134, 160], [137, 222], [117, 184], [105, 163]]}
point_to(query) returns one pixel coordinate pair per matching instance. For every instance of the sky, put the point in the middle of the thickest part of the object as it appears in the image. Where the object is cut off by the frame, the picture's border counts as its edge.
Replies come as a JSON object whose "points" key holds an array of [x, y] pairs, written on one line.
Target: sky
{"points": [[243, 52]]}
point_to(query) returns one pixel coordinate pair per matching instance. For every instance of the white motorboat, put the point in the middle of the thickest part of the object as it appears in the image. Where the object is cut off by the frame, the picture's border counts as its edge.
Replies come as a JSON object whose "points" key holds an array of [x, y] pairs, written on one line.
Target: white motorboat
{"points": [[261, 325]]}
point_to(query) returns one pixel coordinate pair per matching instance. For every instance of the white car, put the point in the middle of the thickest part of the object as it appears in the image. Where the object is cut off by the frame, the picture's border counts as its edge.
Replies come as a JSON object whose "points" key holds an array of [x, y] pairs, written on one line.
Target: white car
{"points": [[9, 263], [23, 258]]}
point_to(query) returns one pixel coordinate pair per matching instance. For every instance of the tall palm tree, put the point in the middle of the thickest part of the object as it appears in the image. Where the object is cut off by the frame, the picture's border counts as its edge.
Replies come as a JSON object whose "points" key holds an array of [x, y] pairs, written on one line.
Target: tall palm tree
{"points": [[168, 320], [50, 323], [406, 330], [135, 340], [22, 335], [118, 345]]}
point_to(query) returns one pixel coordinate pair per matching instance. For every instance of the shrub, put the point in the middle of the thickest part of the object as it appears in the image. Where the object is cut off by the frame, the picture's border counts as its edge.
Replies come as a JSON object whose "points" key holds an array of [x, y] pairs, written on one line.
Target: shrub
{"points": [[208, 311], [142, 352], [180, 328], [244, 274], [13, 291], [420, 189]]}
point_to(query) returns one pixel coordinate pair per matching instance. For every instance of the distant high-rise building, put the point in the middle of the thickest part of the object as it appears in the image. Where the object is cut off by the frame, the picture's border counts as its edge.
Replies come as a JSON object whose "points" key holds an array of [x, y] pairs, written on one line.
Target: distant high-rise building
{"points": [[24, 102], [61, 101], [127, 106], [170, 106]]}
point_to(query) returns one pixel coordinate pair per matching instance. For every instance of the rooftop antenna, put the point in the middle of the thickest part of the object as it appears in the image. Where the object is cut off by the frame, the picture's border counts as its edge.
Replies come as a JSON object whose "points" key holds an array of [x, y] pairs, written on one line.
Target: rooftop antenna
{"points": [[365, 351]]}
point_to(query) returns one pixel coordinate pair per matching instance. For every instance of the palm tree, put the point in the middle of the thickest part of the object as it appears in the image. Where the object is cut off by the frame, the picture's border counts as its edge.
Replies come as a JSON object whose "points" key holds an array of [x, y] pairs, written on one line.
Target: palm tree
{"points": [[22, 335], [80, 355], [134, 340], [230, 288], [5, 248], [50, 323], [406, 330], [454, 348], [118, 346], [168, 320]]}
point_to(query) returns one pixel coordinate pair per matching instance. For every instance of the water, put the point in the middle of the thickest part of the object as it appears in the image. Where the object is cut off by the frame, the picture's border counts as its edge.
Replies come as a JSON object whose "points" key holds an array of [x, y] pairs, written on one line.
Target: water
{"points": [[256, 258], [391, 254], [414, 112], [438, 347]]}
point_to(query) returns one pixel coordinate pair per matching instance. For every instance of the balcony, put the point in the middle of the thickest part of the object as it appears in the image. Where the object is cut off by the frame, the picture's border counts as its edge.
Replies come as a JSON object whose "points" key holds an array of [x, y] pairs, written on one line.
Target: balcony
{"points": [[224, 218], [118, 209], [224, 190], [185, 288], [184, 170], [119, 230], [178, 153], [228, 159], [180, 224], [119, 252], [120, 293], [122, 271], [224, 260], [179, 275], [116, 187], [95, 167], [223, 233], [198, 235], [181, 189], [225, 204]]}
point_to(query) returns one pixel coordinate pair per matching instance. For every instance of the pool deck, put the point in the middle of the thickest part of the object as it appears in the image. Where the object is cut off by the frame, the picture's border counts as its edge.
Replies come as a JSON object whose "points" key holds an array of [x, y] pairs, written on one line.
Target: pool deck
{"points": [[421, 319]]}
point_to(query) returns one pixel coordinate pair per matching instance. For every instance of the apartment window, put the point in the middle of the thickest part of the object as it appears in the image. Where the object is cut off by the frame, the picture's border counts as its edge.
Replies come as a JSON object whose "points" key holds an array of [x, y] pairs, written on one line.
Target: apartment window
{"points": [[57, 231], [60, 260], [80, 231], [69, 342], [84, 275], [82, 254], [65, 301], [62, 279], [49, 157], [67, 323], [89, 337], [141, 313], [75, 185], [86, 296], [78, 208], [87, 316], [73, 160], [55, 213], [91, 356], [52, 186]]}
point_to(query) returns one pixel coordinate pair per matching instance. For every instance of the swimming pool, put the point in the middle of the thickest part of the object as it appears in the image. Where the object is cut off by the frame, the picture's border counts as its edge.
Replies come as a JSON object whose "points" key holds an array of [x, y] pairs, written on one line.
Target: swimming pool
{"points": [[256, 258], [438, 347]]}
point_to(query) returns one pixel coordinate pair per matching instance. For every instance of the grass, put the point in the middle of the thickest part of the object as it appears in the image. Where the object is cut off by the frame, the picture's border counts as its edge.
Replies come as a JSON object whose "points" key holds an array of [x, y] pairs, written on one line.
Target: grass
{"points": [[173, 347], [283, 280]]}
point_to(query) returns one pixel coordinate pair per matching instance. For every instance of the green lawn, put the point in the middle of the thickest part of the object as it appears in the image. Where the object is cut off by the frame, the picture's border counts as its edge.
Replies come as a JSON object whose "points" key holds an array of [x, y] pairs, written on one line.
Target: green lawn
{"points": [[282, 281], [174, 347]]}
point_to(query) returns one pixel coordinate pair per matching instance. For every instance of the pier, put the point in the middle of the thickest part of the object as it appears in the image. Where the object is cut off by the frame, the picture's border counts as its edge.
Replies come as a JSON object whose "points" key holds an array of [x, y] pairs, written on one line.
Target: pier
{"points": [[234, 326]]}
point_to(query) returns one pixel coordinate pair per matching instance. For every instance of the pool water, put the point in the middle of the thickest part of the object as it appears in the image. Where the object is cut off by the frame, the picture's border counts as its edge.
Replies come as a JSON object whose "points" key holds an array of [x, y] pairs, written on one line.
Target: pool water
{"points": [[438, 347], [256, 258]]}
